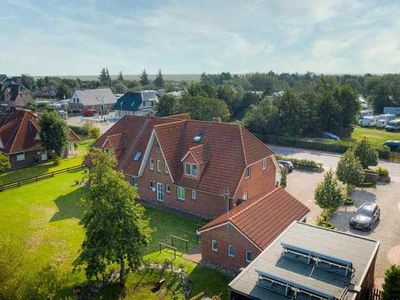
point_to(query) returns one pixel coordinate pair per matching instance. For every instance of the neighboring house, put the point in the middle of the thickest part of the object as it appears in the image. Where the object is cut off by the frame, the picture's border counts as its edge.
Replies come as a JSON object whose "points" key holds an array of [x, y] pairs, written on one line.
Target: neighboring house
{"points": [[136, 103], [202, 168], [310, 262], [20, 139], [235, 238], [100, 100], [14, 94]]}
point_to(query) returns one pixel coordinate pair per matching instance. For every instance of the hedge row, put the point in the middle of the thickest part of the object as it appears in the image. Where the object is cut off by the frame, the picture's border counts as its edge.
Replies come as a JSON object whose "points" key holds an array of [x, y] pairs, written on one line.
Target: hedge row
{"points": [[80, 130], [303, 164], [331, 146]]}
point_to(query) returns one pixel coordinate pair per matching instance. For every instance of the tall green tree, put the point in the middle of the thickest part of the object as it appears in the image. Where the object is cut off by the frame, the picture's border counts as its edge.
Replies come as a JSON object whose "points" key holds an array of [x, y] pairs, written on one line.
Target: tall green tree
{"points": [[328, 193], [166, 106], [203, 108], [366, 153], [116, 230], [144, 78], [104, 78], [54, 132], [349, 169], [391, 286], [261, 118], [120, 76], [159, 80]]}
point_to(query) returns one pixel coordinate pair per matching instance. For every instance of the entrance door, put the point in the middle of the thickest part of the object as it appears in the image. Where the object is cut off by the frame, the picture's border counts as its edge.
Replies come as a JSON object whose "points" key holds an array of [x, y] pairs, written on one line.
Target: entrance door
{"points": [[43, 155], [160, 192]]}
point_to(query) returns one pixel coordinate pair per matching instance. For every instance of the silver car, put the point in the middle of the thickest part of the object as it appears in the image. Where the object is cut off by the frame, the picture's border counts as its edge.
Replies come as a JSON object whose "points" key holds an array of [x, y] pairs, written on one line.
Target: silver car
{"points": [[365, 216]]}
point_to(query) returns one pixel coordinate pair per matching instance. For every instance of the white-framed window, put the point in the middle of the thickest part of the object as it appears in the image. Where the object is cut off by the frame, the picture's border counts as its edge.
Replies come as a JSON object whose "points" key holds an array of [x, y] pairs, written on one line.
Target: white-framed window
{"points": [[264, 164], [20, 156], [214, 245], [158, 165], [231, 250], [247, 172], [152, 185], [151, 164], [168, 188], [134, 181], [190, 169], [166, 168], [194, 195], [180, 192], [249, 256], [245, 195]]}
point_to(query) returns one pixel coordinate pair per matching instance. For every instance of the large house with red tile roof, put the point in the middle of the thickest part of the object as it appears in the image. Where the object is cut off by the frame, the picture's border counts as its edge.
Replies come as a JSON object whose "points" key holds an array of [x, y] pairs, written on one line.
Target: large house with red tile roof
{"points": [[202, 168], [20, 138], [235, 238]]}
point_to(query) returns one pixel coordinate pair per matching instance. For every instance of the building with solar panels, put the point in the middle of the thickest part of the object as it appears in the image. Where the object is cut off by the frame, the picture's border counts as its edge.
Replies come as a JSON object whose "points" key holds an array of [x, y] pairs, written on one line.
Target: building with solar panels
{"points": [[307, 262]]}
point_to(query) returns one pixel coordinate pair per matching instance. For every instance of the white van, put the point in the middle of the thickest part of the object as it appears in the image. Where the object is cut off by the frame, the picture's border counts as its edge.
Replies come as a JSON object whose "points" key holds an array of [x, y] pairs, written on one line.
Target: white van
{"points": [[368, 121], [383, 120]]}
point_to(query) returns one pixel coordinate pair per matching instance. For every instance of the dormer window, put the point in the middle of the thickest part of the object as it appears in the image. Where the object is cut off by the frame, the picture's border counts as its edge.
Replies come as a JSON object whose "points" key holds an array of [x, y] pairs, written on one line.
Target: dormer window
{"points": [[137, 156], [190, 169]]}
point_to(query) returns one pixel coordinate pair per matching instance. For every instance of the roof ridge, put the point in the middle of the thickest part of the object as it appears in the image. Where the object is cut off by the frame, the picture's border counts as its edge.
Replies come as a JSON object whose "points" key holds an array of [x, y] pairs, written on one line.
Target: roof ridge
{"points": [[170, 123], [242, 143], [254, 203], [17, 131]]}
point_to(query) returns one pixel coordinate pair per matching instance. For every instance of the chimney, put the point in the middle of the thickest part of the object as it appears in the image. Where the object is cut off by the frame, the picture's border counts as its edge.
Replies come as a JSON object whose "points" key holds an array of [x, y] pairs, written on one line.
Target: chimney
{"points": [[217, 120]]}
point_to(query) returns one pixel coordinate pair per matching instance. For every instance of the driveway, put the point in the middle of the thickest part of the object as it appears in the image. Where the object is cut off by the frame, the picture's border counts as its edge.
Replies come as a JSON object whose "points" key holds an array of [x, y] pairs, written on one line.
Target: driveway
{"points": [[387, 196]]}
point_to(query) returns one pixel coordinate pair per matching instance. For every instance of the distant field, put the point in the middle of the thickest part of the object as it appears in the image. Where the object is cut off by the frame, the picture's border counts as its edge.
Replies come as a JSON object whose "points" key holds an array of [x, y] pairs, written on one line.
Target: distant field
{"points": [[376, 136], [172, 77]]}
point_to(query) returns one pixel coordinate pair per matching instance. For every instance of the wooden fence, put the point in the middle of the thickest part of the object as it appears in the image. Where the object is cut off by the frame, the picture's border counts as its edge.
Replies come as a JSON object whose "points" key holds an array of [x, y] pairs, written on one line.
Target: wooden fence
{"points": [[375, 294], [24, 181]]}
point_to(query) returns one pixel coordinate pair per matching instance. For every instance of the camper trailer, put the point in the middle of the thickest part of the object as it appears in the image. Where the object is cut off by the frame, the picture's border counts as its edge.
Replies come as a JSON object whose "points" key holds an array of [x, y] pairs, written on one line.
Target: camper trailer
{"points": [[368, 121], [383, 120], [365, 113], [393, 125]]}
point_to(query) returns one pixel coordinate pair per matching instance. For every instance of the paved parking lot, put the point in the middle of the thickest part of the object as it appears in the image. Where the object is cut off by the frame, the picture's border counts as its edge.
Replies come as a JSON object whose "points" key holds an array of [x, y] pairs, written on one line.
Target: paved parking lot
{"points": [[387, 196], [80, 121]]}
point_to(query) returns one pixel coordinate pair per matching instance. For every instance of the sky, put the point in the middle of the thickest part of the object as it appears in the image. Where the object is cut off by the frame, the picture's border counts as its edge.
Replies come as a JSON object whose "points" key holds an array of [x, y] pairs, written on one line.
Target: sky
{"points": [[190, 37]]}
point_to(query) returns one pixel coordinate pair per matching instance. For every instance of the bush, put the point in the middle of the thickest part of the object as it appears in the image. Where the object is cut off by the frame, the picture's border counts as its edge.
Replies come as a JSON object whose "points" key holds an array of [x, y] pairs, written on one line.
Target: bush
{"points": [[328, 193], [348, 202], [303, 164], [56, 161], [383, 172], [391, 286], [80, 130], [94, 132], [324, 217]]}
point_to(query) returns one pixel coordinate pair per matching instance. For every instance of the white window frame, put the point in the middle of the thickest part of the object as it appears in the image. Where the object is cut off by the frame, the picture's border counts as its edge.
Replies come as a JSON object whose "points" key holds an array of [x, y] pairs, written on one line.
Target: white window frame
{"points": [[194, 194], [151, 164], [166, 168], [152, 188], [214, 245], [192, 167], [158, 165], [251, 253], [180, 188], [20, 156], [264, 164], [245, 195], [168, 188], [230, 248], [247, 172], [160, 192]]}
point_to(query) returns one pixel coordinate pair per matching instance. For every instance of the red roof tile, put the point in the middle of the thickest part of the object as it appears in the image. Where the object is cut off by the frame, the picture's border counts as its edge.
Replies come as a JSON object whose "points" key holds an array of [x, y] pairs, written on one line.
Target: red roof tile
{"points": [[263, 219]]}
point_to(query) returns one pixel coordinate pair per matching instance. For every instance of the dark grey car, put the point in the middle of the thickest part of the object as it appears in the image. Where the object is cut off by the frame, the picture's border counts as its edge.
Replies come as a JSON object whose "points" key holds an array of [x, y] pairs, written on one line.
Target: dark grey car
{"points": [[365, 216]]}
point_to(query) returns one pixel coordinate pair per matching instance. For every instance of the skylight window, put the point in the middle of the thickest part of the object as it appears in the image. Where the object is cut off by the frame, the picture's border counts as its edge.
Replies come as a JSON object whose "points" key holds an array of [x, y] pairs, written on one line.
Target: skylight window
{"points": [[197, 139], [137, 157]]}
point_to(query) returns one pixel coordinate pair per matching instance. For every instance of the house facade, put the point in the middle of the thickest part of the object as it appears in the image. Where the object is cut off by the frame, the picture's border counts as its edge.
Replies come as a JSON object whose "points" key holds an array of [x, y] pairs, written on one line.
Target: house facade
{"points": [[201, 168], [20, 139], [236, 238], [100, 100], [136, 103]]}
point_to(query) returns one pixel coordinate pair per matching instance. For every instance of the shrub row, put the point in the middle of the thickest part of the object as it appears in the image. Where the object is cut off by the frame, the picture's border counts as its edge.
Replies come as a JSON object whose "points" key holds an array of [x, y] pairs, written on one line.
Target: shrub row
{"points": [[324, 217], [80, 130], [329, 146], [303, 164]]}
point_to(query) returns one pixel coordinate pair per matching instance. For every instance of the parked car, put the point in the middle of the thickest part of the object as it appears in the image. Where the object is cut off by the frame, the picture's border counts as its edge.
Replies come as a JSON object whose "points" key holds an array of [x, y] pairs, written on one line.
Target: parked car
{"points": [[393, 125], [393, 145], [89, 113], [286, 164], [365, 216], [330, 136]]}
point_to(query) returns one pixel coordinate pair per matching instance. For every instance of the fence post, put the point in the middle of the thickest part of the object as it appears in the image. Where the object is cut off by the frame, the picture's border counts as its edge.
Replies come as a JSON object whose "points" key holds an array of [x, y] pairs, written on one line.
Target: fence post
{"points": [[172, 240]]}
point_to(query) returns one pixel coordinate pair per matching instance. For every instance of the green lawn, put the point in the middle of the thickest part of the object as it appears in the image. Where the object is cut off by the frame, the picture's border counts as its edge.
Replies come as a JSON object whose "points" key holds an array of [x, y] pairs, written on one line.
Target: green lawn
{"points": [[45, 217], [83, 147], [376, 136]]}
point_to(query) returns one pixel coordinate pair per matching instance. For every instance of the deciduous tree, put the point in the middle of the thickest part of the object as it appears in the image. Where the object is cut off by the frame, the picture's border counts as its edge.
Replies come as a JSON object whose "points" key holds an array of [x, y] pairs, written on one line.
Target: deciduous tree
{"points": [[366, 153], [116, 230], [349, 169], [166, 106], [54, 132], [328, 193]]}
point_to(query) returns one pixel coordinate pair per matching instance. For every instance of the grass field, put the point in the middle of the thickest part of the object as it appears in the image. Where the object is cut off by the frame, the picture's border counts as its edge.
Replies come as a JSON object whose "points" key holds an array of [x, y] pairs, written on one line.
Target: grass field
{"points": [[44, 216], [48, 167], [376, 136]]}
